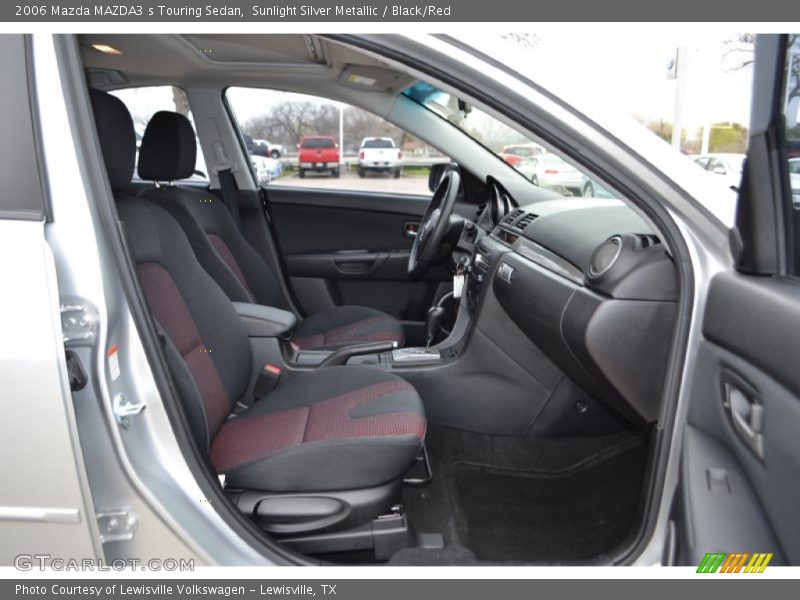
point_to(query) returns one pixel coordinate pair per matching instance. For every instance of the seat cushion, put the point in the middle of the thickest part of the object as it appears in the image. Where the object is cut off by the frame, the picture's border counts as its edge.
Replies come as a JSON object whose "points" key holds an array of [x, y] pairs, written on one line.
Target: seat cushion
{"points": [[335, 428], [342, 326]]}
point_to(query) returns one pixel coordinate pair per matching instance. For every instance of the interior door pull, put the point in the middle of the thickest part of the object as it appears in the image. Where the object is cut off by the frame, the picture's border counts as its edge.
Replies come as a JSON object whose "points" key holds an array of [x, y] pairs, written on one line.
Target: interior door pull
{"points": [[410, 229], [747, 416]]}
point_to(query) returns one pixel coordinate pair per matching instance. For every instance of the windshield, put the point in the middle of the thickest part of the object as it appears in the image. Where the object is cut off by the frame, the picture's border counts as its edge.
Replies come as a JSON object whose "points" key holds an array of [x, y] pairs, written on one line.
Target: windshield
{"points": [[530, 159], [378, 143], [317, 143]]}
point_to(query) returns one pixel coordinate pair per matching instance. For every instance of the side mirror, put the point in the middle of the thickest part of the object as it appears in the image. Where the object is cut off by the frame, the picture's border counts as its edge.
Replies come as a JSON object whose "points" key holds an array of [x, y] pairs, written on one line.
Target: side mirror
{"points": [[435, 176]]}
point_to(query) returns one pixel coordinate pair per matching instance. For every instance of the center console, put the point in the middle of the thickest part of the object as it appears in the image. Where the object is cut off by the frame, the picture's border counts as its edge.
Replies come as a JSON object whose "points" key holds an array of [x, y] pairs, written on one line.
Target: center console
{"points": [[270, 329], [479, 271]]}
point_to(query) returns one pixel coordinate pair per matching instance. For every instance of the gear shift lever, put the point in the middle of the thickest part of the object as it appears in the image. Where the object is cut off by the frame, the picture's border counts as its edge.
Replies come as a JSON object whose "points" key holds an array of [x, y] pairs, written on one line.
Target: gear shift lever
{"points": [[434, 318]]}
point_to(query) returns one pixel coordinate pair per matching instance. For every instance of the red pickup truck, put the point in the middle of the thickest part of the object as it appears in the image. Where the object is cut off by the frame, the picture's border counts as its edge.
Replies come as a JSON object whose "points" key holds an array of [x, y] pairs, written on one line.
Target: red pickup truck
{"points": [[318, 153]]}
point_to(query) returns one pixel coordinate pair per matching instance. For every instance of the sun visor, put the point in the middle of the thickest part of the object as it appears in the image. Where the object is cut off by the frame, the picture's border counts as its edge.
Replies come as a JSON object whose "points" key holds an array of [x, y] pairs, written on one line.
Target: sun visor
{"points": [[374, 79]]}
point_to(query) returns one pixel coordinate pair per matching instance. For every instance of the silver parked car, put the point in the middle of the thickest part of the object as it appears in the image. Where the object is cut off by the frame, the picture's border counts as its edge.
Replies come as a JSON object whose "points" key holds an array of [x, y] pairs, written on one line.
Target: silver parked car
{"points": [[727, 165], [549, 171]]}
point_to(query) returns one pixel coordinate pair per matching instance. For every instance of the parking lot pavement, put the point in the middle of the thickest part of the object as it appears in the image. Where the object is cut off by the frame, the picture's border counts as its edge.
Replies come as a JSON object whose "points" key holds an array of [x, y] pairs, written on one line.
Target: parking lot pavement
{"points": [[405, 184]]}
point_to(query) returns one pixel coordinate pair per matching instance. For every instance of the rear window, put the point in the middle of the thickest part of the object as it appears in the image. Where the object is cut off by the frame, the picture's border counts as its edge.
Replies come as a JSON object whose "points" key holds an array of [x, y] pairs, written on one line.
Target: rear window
{"points": [[317, 143], [144, 102], [519, 151], [378, 144]]}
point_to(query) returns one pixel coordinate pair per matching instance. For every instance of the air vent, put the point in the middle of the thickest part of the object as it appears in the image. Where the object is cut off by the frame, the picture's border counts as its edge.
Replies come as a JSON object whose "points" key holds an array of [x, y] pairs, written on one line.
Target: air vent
{"points": [[512, 216], [525, 221], [604, 256], [479, 212], [647, 240]]}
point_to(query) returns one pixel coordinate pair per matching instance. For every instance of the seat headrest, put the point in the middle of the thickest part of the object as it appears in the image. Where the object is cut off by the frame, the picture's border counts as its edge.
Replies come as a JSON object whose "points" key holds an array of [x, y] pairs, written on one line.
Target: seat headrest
{"points": [[117, 137], [168, 151]]}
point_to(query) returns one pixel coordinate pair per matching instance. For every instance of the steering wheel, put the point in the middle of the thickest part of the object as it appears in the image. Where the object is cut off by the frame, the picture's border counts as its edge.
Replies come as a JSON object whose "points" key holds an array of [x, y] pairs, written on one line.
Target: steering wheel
{"points": [[434, 225]]}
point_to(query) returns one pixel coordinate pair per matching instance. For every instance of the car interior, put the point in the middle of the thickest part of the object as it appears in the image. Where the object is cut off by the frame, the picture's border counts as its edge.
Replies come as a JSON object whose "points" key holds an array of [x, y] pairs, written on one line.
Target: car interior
{"points": [[473, 375]]}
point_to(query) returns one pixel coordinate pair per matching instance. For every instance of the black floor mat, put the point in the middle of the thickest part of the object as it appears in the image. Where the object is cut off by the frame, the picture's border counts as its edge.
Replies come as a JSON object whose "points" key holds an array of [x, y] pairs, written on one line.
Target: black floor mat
{"points": [[480, 497], [532, 516]]}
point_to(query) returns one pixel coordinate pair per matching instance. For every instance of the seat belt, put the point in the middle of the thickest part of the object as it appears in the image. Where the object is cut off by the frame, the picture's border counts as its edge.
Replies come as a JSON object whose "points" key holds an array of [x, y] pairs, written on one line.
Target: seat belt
{"points": [[227, 185]]}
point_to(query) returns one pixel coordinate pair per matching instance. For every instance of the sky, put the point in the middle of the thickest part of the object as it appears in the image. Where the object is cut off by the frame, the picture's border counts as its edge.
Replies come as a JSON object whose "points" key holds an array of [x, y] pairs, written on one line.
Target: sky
{"points": [[628, 72]]}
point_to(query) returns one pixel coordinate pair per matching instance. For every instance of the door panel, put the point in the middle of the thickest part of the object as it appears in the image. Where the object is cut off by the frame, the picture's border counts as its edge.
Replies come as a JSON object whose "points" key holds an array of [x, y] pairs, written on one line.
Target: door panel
{"points": [[737, 498], [740, 470], [45, 499], [346, 247], [759, 358], [310, 221]]}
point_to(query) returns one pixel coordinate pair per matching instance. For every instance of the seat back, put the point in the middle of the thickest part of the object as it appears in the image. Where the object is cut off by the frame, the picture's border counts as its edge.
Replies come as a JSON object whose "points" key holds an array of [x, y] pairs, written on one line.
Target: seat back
{"points": [[206, 345], [167, 154]]}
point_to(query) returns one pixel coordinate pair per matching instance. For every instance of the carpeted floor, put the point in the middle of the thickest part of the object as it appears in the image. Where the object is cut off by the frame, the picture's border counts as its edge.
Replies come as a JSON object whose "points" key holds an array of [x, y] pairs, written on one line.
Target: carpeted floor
{"points": [[528, 500]]}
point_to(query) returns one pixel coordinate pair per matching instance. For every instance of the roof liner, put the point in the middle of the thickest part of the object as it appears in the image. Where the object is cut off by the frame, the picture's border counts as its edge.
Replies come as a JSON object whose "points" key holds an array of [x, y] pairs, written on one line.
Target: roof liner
{"points": [[222, 60]]}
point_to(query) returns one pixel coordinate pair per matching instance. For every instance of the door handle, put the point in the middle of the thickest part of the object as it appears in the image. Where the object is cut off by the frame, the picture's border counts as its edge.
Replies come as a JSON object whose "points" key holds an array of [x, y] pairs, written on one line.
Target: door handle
{"points": [[358, 262], [410, 229], [747, 416]]}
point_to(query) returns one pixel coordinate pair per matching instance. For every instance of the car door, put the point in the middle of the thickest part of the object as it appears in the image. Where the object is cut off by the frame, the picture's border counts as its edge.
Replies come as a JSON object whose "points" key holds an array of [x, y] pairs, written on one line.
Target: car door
{"points": [[45, 506], [740, 468], [345, 238]]}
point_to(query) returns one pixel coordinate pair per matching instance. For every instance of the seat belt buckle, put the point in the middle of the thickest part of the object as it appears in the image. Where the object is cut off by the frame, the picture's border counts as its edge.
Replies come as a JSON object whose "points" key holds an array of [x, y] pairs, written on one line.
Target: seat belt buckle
{"points": [[267, 380]]}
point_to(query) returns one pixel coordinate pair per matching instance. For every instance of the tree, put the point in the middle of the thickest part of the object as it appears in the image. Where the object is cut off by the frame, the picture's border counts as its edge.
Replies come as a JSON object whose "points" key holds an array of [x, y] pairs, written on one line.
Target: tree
{"points": [[180, 100], [287, 122], [494, 134], [524, 40], [739, 52], [728, 137], [661, 128], [359, 124], [793, 87]]}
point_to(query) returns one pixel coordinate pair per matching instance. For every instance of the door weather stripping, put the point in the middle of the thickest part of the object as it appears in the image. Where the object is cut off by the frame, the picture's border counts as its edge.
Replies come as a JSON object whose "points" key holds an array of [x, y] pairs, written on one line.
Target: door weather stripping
{"points": [[116, 525], [124, 409]]}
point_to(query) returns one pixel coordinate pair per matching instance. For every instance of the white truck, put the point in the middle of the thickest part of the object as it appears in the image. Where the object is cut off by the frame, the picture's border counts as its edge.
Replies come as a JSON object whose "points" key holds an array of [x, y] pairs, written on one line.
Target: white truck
{"points": [[380, 155]]}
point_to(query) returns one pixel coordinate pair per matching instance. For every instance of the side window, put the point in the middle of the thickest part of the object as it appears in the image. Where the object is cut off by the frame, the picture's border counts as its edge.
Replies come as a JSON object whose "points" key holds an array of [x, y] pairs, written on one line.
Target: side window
{"points": [[144, 102], [307, 141], [792, 113], [22, 195]]}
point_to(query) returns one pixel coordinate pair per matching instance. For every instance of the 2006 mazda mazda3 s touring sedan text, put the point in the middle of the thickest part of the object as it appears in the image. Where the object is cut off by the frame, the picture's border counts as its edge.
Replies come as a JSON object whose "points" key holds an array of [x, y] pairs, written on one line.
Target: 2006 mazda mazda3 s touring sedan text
{"points": [[453, 366]]}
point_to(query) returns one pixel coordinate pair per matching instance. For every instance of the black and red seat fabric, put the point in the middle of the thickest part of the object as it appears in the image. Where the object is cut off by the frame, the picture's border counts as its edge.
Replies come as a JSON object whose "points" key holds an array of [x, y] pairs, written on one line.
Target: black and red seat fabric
{"points": [[334, 428], [167, 154]]}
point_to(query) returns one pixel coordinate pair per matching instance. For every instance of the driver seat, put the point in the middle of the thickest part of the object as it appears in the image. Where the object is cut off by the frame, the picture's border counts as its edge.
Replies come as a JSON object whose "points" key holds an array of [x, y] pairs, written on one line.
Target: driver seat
{"points": [[167, 154]]}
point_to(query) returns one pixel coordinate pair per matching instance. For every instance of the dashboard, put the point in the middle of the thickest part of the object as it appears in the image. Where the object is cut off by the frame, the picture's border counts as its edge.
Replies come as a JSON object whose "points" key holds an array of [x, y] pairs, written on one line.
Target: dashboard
{"points": [[591, 284]]}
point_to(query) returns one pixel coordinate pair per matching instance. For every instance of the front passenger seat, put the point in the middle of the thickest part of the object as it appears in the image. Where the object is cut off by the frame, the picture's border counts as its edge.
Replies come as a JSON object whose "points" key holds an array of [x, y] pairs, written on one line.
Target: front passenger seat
{"points": [[335, 428], [167, 154]]}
